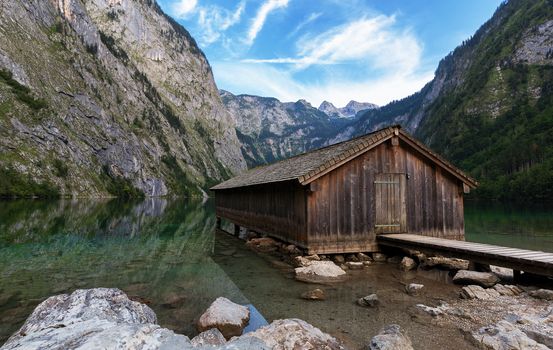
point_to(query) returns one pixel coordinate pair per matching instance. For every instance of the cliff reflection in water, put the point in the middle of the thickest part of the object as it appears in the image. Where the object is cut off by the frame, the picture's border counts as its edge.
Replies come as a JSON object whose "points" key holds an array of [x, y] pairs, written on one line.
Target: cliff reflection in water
{"points": [[157, 250]]}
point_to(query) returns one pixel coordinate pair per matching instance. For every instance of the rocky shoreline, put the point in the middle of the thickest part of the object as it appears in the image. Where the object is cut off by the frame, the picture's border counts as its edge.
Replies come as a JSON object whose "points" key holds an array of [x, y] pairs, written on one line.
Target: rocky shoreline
{"points": [[488, 308], [492, 311], [105, 318]]}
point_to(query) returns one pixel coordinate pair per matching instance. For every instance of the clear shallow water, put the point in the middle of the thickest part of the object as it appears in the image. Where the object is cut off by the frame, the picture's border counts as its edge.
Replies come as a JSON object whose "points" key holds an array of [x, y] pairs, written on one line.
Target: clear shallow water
{"points": [[165, 253]]}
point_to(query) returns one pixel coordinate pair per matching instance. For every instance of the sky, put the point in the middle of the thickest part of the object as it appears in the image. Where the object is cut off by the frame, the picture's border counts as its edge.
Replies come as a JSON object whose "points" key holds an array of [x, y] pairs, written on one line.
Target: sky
{"points": [[336, 50]]}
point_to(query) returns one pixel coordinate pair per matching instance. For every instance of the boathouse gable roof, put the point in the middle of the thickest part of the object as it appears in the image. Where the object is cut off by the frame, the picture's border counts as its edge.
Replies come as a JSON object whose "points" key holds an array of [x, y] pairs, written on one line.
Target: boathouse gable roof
{"points": [[307, 167]]}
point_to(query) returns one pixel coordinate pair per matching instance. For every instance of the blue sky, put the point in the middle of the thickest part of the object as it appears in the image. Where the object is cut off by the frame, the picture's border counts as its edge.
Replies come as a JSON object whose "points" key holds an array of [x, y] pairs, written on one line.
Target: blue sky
{"points": [[336, 50]]}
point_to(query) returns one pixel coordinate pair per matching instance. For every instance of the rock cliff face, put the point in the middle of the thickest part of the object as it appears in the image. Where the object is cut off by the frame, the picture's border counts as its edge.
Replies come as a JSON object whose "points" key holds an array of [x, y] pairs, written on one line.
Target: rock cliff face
{"points": [[270, 130], [103, 97]]}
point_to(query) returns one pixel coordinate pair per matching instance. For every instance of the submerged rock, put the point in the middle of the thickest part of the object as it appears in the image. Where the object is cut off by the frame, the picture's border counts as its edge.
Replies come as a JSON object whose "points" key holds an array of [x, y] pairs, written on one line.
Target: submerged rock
{"points": [[353, 265], [407, 264], [301, 261], [320, 272], [294, 334], [544, 294], [484, 279], [390, 338], [379, 257], [414, 288], [263, 244], [370, 301], [315, 294], [338, 259], [102, 318], [363, 257], [226, 316]]}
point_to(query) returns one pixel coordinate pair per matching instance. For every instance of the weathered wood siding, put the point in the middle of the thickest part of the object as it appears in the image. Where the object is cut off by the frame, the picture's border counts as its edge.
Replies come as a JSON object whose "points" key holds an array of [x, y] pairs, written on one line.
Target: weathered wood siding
{"points": [[277, 209], [341, 209]]}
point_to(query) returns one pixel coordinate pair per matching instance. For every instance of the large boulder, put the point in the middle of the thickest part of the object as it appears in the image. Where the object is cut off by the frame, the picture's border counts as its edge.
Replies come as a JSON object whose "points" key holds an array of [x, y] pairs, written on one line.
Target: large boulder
{"points": [[294, 334], [101, 318], [226, 316], [505, 336], [484, 279], [390, 338], [320, 272]]}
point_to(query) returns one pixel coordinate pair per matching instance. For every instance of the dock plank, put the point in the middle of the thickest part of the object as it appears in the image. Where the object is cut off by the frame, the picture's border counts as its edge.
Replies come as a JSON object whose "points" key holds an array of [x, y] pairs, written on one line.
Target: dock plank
{"points": [[537, 262]]}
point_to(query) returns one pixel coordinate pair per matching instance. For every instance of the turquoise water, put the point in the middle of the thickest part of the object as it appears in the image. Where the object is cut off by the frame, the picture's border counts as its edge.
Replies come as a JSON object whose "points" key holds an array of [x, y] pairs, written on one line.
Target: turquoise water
{"points": [[528, 226], [166, 253]]}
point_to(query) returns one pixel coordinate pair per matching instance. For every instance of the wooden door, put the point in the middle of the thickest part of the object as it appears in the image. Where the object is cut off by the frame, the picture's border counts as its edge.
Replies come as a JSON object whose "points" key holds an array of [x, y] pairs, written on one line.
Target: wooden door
{"points": [[389, 196]]}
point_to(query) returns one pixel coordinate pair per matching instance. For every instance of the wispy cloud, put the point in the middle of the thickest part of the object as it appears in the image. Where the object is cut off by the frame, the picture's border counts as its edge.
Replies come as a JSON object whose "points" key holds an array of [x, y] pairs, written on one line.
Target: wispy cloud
{"points": [[311, 18], [214, 20], [373, 40], [261, 17], [267, 80], [183, 8]]}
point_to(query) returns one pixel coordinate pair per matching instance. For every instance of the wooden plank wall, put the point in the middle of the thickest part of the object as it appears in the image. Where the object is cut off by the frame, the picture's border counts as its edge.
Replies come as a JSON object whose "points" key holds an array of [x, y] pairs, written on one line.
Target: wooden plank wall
{"points": [[276, 209], [341, 211]]}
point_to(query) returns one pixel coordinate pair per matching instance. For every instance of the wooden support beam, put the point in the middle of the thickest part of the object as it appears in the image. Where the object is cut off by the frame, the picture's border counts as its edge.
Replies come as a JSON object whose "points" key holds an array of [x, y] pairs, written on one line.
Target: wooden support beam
{"points": [[395, 141], [218, 222], [236, 230]]}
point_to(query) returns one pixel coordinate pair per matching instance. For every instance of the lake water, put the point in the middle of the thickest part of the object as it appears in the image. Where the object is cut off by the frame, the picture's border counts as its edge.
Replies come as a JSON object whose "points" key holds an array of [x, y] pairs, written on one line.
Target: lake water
{"points": [[165, 253]]}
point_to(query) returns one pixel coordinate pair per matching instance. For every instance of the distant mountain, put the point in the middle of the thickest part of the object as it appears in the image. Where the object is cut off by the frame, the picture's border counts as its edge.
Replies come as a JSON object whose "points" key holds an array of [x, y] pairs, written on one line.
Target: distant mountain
{"points": [[489, 108], [105, 98], [349, 111], [270, 130]]}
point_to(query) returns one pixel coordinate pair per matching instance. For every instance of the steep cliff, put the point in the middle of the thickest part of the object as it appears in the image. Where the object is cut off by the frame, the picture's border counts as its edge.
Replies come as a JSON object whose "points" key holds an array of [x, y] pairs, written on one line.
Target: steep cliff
{"points": [[270, 130], [102, 97]]}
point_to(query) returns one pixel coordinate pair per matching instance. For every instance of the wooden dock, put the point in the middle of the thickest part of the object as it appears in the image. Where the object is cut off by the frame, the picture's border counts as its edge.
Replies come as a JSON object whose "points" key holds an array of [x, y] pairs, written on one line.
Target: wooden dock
{"points": [[537, 262]]}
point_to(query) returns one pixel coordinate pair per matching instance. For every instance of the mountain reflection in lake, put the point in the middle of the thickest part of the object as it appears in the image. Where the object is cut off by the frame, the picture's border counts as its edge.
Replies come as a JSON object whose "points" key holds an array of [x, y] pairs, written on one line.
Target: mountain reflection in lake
{"points": [[156, 250]]}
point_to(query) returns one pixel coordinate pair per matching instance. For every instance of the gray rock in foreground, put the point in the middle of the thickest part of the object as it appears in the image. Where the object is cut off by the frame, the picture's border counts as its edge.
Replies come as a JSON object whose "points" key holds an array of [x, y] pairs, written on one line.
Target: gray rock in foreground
{"points": [[504, 336], [390, 338], [294, 334], [105, 318], [484, 279], [100, 318]]}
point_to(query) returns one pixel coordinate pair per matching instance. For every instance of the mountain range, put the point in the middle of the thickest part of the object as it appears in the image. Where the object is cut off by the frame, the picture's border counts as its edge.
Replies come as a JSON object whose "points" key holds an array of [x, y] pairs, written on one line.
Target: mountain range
{"points": [[113, 97], [349, 111]]}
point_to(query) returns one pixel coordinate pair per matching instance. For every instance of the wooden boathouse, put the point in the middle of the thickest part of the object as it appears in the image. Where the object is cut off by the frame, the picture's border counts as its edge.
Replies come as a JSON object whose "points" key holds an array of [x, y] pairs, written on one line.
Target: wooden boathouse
{"points": [[339, 198]]}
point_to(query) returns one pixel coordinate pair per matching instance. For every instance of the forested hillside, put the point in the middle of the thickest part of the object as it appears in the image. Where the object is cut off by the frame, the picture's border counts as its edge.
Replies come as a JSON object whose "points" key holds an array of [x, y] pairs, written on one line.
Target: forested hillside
{"points": [[489, 108]]}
